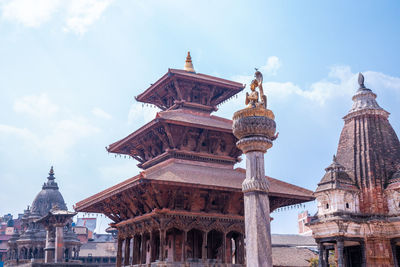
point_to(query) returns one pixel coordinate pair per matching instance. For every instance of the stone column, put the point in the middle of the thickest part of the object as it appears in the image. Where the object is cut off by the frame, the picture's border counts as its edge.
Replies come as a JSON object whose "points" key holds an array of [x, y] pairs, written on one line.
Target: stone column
{"points": [[127, 251], [320, 255], [119, 253], [255, 129], [59, 251], [340, 250], [49, 249], [326, 262]]}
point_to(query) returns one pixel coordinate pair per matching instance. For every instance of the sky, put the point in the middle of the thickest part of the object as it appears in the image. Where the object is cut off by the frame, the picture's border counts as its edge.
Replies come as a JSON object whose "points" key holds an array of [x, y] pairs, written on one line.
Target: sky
{"points": [[69, 72]]}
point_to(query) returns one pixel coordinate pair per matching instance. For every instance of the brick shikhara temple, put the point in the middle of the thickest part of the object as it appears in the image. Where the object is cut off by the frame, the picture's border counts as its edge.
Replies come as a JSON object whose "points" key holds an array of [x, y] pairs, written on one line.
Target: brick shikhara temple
{"points": [[186, 207], [358, 197]]}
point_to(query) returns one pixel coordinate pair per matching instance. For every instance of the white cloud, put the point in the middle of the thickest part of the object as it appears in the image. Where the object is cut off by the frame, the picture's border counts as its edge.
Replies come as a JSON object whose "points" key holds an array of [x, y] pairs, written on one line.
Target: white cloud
{"points": [[139, 113], [15, 131], [78, 15], [272, 66], [83, 13], [36, 106], [340, 82], [65, 134], [31, 13], [119, 169], [98, 112], [57, 136]]}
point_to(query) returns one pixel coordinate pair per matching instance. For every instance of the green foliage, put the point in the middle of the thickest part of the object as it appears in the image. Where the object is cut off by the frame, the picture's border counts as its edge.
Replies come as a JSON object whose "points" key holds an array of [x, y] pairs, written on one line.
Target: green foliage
{"points": [[314, 262]]}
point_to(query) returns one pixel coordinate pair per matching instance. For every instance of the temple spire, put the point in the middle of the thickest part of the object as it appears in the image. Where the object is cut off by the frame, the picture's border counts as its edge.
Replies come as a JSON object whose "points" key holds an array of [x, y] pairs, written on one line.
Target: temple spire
{"points": [[188, 63], [50, 184], [364, 102], [361, 80], [51, 174]]}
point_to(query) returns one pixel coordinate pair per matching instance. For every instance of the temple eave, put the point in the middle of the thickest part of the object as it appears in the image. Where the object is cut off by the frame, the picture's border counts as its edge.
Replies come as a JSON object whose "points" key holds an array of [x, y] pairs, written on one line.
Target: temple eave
{"points": [[170, 212]]}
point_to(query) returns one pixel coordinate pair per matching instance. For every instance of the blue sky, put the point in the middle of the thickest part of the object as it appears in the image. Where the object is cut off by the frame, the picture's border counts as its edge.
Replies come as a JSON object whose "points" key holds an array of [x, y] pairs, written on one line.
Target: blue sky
{"points": [[69, 71]]}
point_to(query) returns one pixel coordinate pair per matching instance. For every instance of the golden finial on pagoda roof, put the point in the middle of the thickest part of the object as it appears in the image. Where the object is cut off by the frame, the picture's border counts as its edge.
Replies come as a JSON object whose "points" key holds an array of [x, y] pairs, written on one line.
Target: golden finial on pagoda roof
{"points": [[188, 64]]}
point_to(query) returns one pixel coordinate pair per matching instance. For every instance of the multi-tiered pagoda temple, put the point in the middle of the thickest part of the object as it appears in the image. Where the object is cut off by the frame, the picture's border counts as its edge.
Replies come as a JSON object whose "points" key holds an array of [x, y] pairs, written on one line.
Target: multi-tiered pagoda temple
{"points": [[358, 197], [186, 206]]}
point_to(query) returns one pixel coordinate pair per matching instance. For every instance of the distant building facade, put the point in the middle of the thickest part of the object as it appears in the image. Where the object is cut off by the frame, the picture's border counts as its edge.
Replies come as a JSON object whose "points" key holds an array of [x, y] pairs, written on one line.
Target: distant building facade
{"points": [[358, 197], [7, 227], [304, 218], [29, 243]]}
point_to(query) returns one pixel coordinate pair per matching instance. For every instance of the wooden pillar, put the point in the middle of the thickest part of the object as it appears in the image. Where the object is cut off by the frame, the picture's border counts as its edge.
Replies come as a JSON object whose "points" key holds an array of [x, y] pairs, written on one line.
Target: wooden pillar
{"points": [[143, 249], [119, 253], [224, 248], [204, 246], [320, 255], [134, 249], [184, 240], [162, 245], [174, 245], [151, 241], [340, 250], [127, 251]]}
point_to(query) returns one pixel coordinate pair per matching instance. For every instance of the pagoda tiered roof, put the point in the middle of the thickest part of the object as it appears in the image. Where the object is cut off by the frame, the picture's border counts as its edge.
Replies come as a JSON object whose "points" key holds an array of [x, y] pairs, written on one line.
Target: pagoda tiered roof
{"points": [[181, 133], [152, 190], [178, 88]]}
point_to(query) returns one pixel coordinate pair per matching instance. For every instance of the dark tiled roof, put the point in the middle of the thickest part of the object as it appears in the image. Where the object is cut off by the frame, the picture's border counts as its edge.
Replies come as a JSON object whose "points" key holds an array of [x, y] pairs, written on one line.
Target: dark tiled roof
{"points": [[292, 256], [292, 240]]}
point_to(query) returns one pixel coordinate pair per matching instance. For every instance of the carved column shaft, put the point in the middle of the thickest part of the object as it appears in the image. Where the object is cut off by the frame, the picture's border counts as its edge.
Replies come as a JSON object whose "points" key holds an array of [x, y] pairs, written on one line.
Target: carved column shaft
{"points": [[255, 128], [204, 246], [59, 243], [119, 253], [127, 251], [184, 240], [326, 259], [143, 249], [162, 245], [320, 255], [49, 250], [256, 209]]}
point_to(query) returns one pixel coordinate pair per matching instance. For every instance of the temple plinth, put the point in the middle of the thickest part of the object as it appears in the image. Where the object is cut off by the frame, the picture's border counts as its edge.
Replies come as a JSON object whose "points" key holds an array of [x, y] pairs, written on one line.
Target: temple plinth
{"points": [[255, 128]]}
